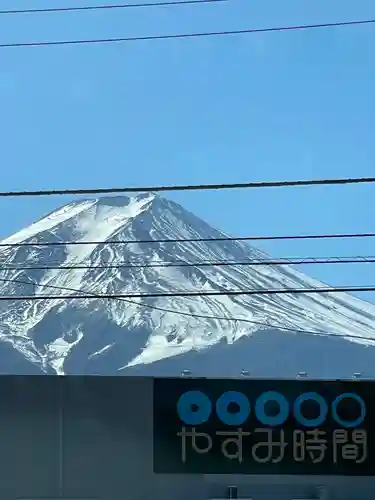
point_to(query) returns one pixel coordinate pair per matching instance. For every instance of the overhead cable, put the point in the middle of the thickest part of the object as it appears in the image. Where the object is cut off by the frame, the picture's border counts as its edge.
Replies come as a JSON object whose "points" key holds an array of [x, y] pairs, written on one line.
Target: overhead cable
{"points": [[186, 35], [183, 313], [251, 262], [205, 293], [188, 240], [107, 7], [192, 187]]}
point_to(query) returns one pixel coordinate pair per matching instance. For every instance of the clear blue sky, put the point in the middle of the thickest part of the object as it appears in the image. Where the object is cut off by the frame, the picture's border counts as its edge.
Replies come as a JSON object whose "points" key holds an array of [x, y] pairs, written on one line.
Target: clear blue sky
{"points": [[222, 109]]}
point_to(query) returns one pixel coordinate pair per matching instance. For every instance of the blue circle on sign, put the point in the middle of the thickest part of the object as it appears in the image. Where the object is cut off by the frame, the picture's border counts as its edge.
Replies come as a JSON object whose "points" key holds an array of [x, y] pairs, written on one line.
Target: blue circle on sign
{"points": [[237, 398], [323, 409], [273, 420], [348, 423], [186, 408]]}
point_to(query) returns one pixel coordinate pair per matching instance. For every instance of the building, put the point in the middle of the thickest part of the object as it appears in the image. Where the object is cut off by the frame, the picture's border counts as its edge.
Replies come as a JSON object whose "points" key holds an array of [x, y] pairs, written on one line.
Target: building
{"points": [[91, 438]]}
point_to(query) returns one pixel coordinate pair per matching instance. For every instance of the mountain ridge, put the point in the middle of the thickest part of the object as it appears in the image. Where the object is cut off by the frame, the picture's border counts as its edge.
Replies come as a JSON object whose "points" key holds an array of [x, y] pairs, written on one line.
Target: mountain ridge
{"points": [[98, 336]]}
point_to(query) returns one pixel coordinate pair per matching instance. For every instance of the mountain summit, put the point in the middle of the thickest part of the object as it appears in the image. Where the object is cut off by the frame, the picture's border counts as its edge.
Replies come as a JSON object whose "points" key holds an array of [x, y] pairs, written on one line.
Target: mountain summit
{"points": [[214, 335]]}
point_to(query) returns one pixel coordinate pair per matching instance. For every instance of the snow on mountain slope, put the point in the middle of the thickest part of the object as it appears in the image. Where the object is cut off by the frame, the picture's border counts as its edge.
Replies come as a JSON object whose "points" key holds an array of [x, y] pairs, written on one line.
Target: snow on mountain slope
{"points": [[117, 336]]}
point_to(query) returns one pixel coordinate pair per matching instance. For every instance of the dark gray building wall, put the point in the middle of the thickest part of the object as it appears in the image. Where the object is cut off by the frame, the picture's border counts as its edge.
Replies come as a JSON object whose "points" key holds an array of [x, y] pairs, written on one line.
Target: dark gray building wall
{"points": [[29, 463], [91, 438]]}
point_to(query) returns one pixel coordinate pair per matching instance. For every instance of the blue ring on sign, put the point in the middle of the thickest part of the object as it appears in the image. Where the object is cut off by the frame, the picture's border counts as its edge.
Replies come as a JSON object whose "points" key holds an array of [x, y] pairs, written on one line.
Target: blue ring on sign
{"points": [[346, 423], [185, 408], [310, 422], [272, 419], [227, 417]]}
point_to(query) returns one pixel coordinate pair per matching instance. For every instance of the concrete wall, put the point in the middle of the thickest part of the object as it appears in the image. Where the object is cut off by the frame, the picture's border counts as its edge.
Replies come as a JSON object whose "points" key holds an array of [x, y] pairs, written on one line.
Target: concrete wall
{"points": [[91, 438]]}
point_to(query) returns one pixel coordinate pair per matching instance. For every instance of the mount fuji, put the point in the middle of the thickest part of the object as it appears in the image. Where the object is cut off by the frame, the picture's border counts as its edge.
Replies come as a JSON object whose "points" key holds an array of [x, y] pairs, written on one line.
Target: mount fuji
{"points": [[265, 335]]}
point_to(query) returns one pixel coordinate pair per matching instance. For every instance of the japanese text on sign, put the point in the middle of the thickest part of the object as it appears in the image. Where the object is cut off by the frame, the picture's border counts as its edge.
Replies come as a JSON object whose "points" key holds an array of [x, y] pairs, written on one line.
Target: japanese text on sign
{"points": [[310, 445]]}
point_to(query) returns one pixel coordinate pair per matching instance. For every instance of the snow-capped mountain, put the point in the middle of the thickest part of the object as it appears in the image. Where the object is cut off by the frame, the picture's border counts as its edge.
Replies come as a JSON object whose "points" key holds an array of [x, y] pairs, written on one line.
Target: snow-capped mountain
{"points": [[214, 335]]}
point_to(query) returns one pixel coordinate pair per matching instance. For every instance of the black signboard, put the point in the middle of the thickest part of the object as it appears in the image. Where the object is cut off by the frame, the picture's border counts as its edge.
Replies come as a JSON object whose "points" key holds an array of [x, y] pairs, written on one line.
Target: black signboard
{"points": [[224, 426]]}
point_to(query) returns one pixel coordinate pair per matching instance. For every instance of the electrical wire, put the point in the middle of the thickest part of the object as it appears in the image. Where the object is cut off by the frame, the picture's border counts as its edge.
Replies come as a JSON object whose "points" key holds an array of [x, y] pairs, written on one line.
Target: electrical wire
{"points": [[251, 262], [205, 187], [185, 35], [183, 313], [206, 293], [192, 187], [190, 240], [107, 7]]}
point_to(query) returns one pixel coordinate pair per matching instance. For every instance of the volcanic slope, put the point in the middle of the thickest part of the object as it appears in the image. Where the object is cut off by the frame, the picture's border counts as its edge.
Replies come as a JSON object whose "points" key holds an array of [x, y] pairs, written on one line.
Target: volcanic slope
{"points": [[113, 336]]}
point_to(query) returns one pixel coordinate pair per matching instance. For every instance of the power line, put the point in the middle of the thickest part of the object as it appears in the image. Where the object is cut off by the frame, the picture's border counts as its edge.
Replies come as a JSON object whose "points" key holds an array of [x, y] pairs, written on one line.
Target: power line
{"points": [[192, 187], [190, 240], [157, 308], [207, 293], [194, 315], [251, 262], [186, 35], [108, 7]]}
